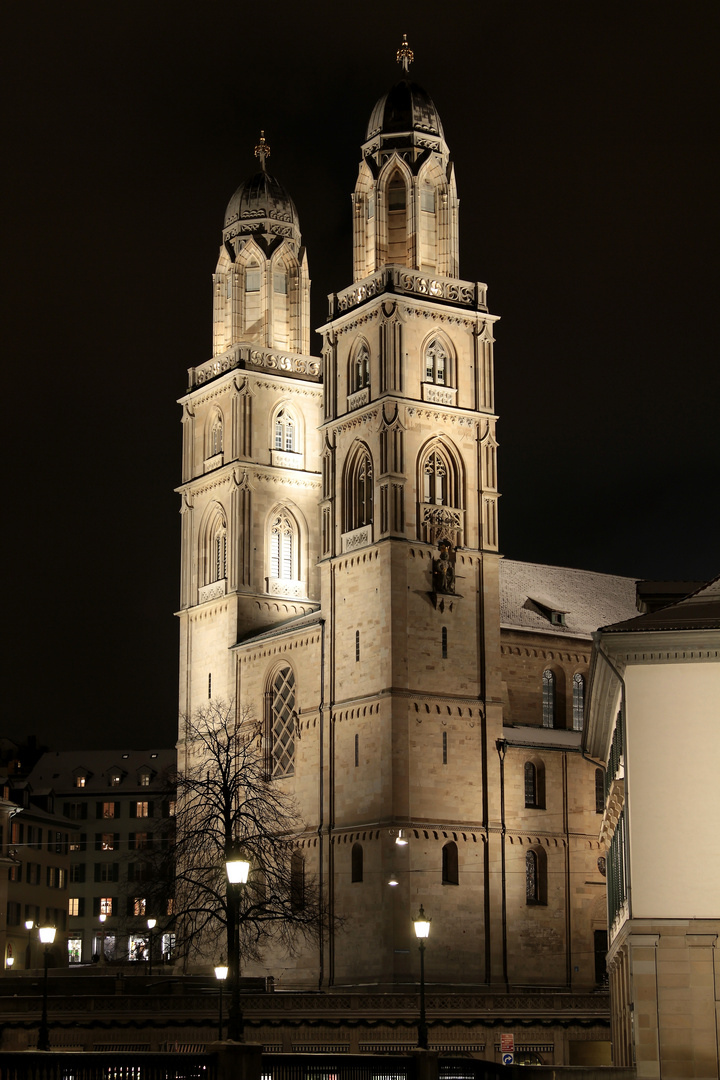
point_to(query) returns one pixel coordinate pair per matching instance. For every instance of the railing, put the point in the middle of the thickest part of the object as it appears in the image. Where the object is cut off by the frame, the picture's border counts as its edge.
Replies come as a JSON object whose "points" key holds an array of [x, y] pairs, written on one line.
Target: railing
{"points": [[114, 1065]]}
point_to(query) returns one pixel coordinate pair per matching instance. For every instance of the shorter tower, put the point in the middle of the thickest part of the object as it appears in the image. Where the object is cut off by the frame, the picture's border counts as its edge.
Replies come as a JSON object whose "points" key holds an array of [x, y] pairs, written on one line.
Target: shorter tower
{"points": [[250, 445]]}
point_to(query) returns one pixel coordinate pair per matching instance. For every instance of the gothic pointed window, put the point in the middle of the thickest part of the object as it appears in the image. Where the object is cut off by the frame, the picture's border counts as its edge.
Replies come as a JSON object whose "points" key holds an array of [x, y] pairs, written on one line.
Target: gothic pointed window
{"points": [[548, 698], [359, 491], [297, 881], [281, 723], [435, 474], [578, 701], [437, 364], [215, 440], [360, 369], [285, 433], [397, 220], [216, 548], [282, 546], [530, 784]]}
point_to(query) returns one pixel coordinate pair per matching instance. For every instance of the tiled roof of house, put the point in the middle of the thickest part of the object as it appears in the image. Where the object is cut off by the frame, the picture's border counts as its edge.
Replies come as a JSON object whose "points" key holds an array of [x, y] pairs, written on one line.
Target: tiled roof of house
{"points": [[58, 770], [581, 600]]}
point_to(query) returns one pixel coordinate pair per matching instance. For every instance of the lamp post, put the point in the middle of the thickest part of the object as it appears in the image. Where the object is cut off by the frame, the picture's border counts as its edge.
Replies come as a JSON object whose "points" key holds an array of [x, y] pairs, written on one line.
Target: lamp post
{"points": [[152, 923], [29, 926], [47, 936], [221, 973], [237, 874], [101, 920], [422, 931]]}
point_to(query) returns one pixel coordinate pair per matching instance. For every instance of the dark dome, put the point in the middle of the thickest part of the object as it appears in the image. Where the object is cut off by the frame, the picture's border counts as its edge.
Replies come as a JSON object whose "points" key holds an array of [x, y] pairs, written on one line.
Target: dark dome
{"points": [[406, 107], [262, 196]]}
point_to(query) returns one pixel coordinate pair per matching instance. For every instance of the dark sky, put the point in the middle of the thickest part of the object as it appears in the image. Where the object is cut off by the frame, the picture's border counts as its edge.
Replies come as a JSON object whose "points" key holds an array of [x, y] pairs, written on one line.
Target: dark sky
{"points": [[585, 145]]}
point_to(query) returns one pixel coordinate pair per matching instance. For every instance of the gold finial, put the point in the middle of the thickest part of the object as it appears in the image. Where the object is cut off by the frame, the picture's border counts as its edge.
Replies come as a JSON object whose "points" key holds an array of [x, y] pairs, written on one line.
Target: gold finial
{"points": [[262, 150], [405, 55]]}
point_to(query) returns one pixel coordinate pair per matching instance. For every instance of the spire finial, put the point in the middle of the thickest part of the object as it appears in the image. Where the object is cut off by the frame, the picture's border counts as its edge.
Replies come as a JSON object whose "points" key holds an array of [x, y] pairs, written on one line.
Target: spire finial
{"points": [[262, 150], [405, 55]]}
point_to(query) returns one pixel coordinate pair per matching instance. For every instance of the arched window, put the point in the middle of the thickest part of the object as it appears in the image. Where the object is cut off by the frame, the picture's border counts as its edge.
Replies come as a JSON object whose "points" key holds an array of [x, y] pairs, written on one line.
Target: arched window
{"points": [[297, 881], [214, 440], [360, 369], [281, 723], [535, 876], [285, 435], [215, 555], [450, 863], [578, 701], [436, 475], [359, 491], [548, 698], [283, 544], [530, 784], [357, 862], [397, 220], [437, 363]]}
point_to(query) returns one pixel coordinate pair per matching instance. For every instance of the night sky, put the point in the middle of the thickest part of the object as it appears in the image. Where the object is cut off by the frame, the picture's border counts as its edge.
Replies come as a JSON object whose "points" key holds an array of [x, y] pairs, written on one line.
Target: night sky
{"points": [[585, 146]]}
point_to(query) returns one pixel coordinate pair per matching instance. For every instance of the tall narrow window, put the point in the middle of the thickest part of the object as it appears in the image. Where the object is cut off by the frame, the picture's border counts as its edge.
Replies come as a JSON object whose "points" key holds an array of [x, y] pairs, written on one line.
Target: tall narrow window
{"points": [[357, 646], [397, 220], [285, 432], [359, 492], [450, 863], [444, 642], [252, 279], [209, 685], [297, 881], [599, 791], [535, 876], [548, 698], [216, 549], [357, 751], [360, 369], [357, 862], [282, 723], [444, 744], [215, 437], [436, 363], [435, 473], [530, 784], [282, 541], [578, 701]]}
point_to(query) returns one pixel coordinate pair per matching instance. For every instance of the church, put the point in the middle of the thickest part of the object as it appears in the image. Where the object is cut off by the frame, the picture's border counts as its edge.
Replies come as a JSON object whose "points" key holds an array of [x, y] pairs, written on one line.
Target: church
{"points": [[342, 577]]}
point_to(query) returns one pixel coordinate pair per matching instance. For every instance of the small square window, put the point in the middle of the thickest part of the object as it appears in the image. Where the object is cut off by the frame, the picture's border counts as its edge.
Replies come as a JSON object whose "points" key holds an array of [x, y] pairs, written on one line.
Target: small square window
{"points": [[252, 281]]}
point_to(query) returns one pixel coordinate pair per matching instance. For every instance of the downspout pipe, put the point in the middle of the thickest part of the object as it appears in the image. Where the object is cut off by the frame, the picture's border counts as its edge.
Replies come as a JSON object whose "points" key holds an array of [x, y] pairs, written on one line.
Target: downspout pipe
{"points": [[501, 746]]}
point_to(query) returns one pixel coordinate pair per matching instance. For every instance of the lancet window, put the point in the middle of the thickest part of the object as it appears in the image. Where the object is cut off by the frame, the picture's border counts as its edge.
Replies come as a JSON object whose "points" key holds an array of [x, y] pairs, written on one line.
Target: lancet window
{"points": [[578, 701], [437, 363], [283, 546], [548, 698], [285, 432], [436, 479], [359, 491], [360, 369], [281, 722]]}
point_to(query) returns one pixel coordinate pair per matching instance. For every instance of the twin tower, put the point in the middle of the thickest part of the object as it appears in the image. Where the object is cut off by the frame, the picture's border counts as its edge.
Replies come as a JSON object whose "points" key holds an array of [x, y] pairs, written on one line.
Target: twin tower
{"points": [[340, 549]]}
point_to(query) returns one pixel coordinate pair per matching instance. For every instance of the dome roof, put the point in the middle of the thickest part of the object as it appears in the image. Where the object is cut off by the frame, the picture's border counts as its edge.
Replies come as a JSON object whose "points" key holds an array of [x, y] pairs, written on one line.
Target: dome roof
{"points": [[405, 107], [261, 196]]}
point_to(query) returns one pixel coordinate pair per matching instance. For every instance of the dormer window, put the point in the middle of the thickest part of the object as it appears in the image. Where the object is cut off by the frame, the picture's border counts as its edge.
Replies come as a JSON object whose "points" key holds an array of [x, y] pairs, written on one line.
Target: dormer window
{"points": [[115, 780], [145, 779], [80, 781]]}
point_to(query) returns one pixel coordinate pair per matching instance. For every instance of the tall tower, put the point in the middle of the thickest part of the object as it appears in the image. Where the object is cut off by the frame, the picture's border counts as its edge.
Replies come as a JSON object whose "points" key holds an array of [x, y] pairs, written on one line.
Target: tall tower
{"points": [[250, 445], [409, 561]]}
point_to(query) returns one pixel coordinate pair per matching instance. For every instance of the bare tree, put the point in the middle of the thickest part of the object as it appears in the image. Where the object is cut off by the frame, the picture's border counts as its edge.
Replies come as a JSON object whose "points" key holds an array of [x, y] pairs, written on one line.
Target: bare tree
{"points": [[228, 805]]}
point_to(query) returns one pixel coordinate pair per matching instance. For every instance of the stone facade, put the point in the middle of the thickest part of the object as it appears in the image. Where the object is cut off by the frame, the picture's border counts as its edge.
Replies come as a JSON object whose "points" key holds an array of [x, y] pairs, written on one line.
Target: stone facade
{"points": [[355, 561]]}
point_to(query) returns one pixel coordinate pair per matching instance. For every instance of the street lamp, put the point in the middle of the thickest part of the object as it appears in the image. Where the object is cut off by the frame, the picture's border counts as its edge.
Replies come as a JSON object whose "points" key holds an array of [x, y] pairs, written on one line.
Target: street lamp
{"points": [[237, 874], [422, 931], [29, 925], [101, 920], [152, 923], [221, 973], [47, 936], [9, 961]]}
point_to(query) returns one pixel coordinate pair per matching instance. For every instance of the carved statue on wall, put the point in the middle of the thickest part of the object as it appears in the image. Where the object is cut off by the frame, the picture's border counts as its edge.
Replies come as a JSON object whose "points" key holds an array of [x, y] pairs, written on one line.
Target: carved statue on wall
{"points": [[443, 570]]}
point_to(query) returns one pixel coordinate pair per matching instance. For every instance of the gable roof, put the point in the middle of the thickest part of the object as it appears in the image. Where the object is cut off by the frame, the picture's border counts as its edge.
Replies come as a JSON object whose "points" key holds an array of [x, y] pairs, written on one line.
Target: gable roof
{"points": [[698, 611], [585, 598]]}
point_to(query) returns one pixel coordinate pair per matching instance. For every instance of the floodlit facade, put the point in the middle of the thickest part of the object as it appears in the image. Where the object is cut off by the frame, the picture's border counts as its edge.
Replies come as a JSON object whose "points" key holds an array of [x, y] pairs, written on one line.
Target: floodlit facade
{"points": [[342, 578], [654, 718]]}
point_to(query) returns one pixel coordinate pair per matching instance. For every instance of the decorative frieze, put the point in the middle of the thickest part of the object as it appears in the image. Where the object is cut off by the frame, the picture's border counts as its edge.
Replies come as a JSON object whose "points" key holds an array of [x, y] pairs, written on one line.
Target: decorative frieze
{"points": [[213, 591], [252, 357], [439, 395], [472, 294], [213, 462], [357, 538], [286, 587], [282, 459], [359, 398]]}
